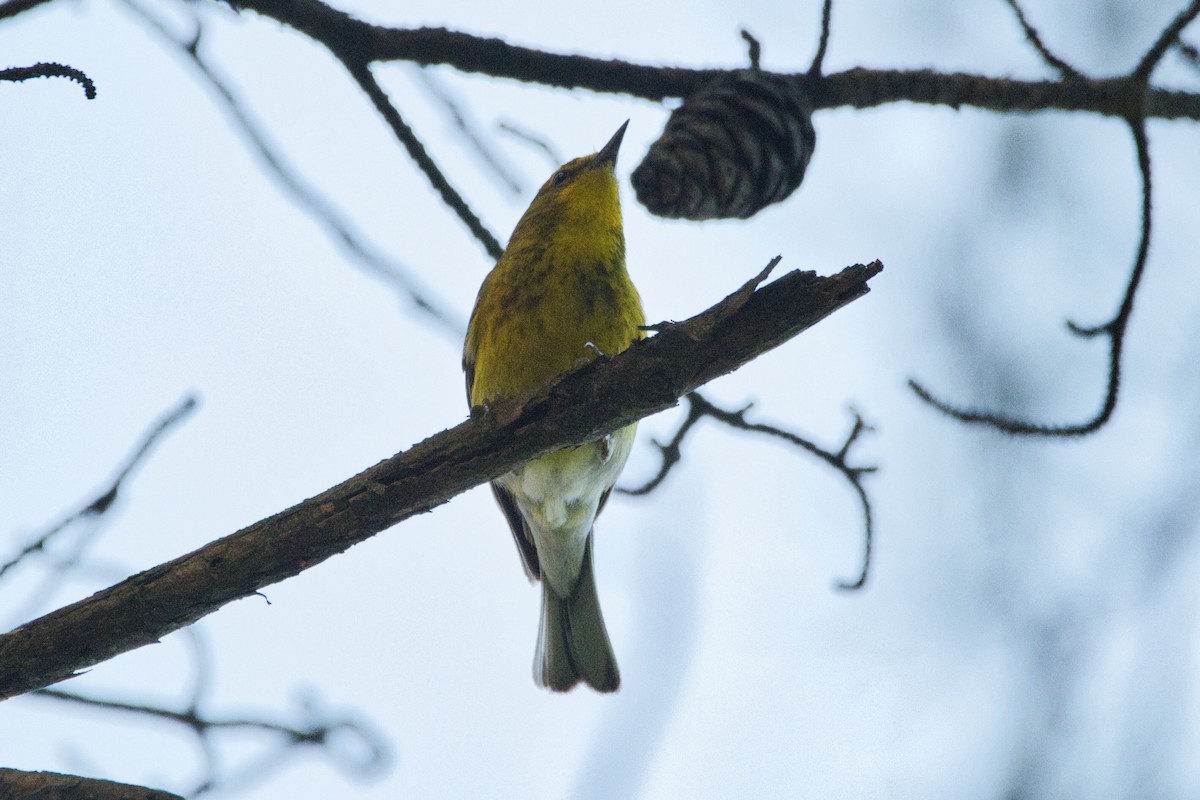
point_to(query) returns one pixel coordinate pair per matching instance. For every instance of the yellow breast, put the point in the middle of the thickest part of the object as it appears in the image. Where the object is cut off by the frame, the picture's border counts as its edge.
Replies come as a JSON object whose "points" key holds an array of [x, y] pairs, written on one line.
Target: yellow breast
{"points": [[559, 286]]}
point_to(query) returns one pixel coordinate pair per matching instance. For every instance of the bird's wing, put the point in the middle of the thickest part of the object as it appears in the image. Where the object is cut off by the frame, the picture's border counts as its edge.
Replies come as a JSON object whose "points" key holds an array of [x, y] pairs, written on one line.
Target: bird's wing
{"points": [[469, 372], [603, 500], [470, 350], [520, 532]]}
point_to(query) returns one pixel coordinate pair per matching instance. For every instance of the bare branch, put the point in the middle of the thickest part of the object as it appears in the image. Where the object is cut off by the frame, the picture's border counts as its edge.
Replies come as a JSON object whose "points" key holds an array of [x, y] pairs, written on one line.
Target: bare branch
{"points": [[55, 786], [582, 406], [49, 69], [1138, 92], [1169, 37], [1114, 329], [671, 452], [343, 35], [360, 42], [535, 141], [468, 131], [1035, 39], [837, 460], [14, 7], [818, 62], [351, 745], [103, 502], [192, 719], [1113, 97], [753, 49], [348, 743], [1190, 52], [700, 407], [416, 151], [319, 208]]}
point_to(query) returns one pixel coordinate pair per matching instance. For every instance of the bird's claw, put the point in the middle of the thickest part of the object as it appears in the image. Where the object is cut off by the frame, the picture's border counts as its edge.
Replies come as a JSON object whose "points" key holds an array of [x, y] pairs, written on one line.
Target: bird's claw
{"points": [[596, 352]]}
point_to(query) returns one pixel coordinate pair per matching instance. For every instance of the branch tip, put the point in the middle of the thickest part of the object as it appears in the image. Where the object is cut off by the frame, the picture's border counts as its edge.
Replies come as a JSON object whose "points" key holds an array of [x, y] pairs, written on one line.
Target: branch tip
{"points": [[49, 69], [1035, 40], [1114, 329], [754, 49], [814, 70], [1168, 38]]}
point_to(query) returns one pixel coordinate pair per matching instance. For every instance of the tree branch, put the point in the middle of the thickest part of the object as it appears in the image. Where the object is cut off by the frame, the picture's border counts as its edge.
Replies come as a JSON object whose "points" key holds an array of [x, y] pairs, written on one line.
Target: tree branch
{"points": [[1114, 329], [47, 69], [349, 744], [584, 405], [502, 172], [700, 407], [1190, 53], [361, 72], [14, 7], [318, 207], [55, 786], [818, 62], [105, 499], [1166, 39], [355, 41]]}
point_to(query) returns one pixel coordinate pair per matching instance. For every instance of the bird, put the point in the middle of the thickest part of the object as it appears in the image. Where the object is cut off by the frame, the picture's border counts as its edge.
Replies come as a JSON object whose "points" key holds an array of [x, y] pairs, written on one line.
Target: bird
{"points": [[559, 296]]}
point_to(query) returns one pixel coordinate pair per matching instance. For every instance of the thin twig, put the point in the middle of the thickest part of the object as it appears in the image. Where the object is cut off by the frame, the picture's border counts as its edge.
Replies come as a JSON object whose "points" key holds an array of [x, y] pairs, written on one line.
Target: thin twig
{"points": [[535, 141], [191, 718], [1114, 329], [1190, 52], [753, 49], [398, 276], [700, 407], [416, 151], [1035, 39], [468, 130], [104, 501], [353, 746], [349, 744], [48, 69], [670, 452], [814, 71], [1141, 73]]}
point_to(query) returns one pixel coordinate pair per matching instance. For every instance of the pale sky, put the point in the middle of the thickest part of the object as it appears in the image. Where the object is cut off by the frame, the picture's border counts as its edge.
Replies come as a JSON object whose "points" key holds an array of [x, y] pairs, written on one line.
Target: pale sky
{"points": [[1031, 620]]}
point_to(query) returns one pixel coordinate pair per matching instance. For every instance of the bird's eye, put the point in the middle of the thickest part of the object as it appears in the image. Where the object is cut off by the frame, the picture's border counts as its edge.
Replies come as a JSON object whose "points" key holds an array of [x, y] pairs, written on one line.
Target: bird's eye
{"points": [[560, 178]]}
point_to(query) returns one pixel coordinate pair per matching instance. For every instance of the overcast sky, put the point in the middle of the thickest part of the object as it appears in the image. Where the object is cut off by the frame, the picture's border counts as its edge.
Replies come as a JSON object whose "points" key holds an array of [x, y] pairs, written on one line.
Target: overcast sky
{"points": [[1030, 627]]}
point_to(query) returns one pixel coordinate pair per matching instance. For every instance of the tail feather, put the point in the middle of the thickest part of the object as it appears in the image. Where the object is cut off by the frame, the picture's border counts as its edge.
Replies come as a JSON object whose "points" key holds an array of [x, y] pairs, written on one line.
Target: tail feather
{"points": [[573, 643]]}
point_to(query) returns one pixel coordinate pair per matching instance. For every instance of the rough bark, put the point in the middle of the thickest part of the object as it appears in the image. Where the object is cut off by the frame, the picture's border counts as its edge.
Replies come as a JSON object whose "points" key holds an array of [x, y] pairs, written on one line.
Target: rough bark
{"points": [[584, 405]]}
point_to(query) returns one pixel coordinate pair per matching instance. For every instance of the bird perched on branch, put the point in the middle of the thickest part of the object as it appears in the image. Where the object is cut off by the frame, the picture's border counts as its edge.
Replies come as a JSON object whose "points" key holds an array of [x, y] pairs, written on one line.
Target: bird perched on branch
{"points": [[558, 296]]}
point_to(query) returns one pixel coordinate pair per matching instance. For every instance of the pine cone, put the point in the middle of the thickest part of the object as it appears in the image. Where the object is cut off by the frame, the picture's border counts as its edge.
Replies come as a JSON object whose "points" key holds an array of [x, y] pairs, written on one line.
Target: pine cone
{"points": [[736, 145]]}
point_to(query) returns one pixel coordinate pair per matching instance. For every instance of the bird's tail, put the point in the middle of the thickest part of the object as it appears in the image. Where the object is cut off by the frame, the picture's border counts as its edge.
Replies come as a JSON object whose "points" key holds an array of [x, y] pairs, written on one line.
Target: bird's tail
{"points": [[573, 643]]}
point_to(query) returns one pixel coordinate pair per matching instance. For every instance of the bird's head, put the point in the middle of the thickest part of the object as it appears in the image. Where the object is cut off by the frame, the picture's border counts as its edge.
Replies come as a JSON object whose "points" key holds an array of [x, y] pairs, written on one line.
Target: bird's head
{"points": [[582, 194]]}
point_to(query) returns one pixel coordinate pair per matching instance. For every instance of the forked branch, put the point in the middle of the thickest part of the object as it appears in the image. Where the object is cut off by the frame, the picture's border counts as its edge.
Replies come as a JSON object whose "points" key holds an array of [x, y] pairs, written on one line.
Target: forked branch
{"points": [[699, 407]]}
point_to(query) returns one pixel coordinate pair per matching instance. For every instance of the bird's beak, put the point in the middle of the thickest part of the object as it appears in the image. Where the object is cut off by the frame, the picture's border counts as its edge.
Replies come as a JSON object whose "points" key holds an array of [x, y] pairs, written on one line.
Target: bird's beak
{"points": [[608, 153]]}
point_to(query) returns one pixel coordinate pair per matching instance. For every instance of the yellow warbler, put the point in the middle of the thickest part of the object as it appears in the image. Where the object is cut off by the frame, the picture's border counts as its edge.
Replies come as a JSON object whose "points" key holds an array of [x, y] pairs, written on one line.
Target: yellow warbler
{"points": [[557, 296]]}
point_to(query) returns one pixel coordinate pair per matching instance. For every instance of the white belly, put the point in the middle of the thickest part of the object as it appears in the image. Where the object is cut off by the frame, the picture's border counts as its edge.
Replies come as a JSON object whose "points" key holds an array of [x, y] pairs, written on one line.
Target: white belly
{"points": [[558, 495]]}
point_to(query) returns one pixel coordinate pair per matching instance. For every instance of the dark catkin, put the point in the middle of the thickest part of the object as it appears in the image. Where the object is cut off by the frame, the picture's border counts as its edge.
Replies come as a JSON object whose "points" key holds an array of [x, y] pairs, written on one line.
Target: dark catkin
{"points": [[736, 145]]}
